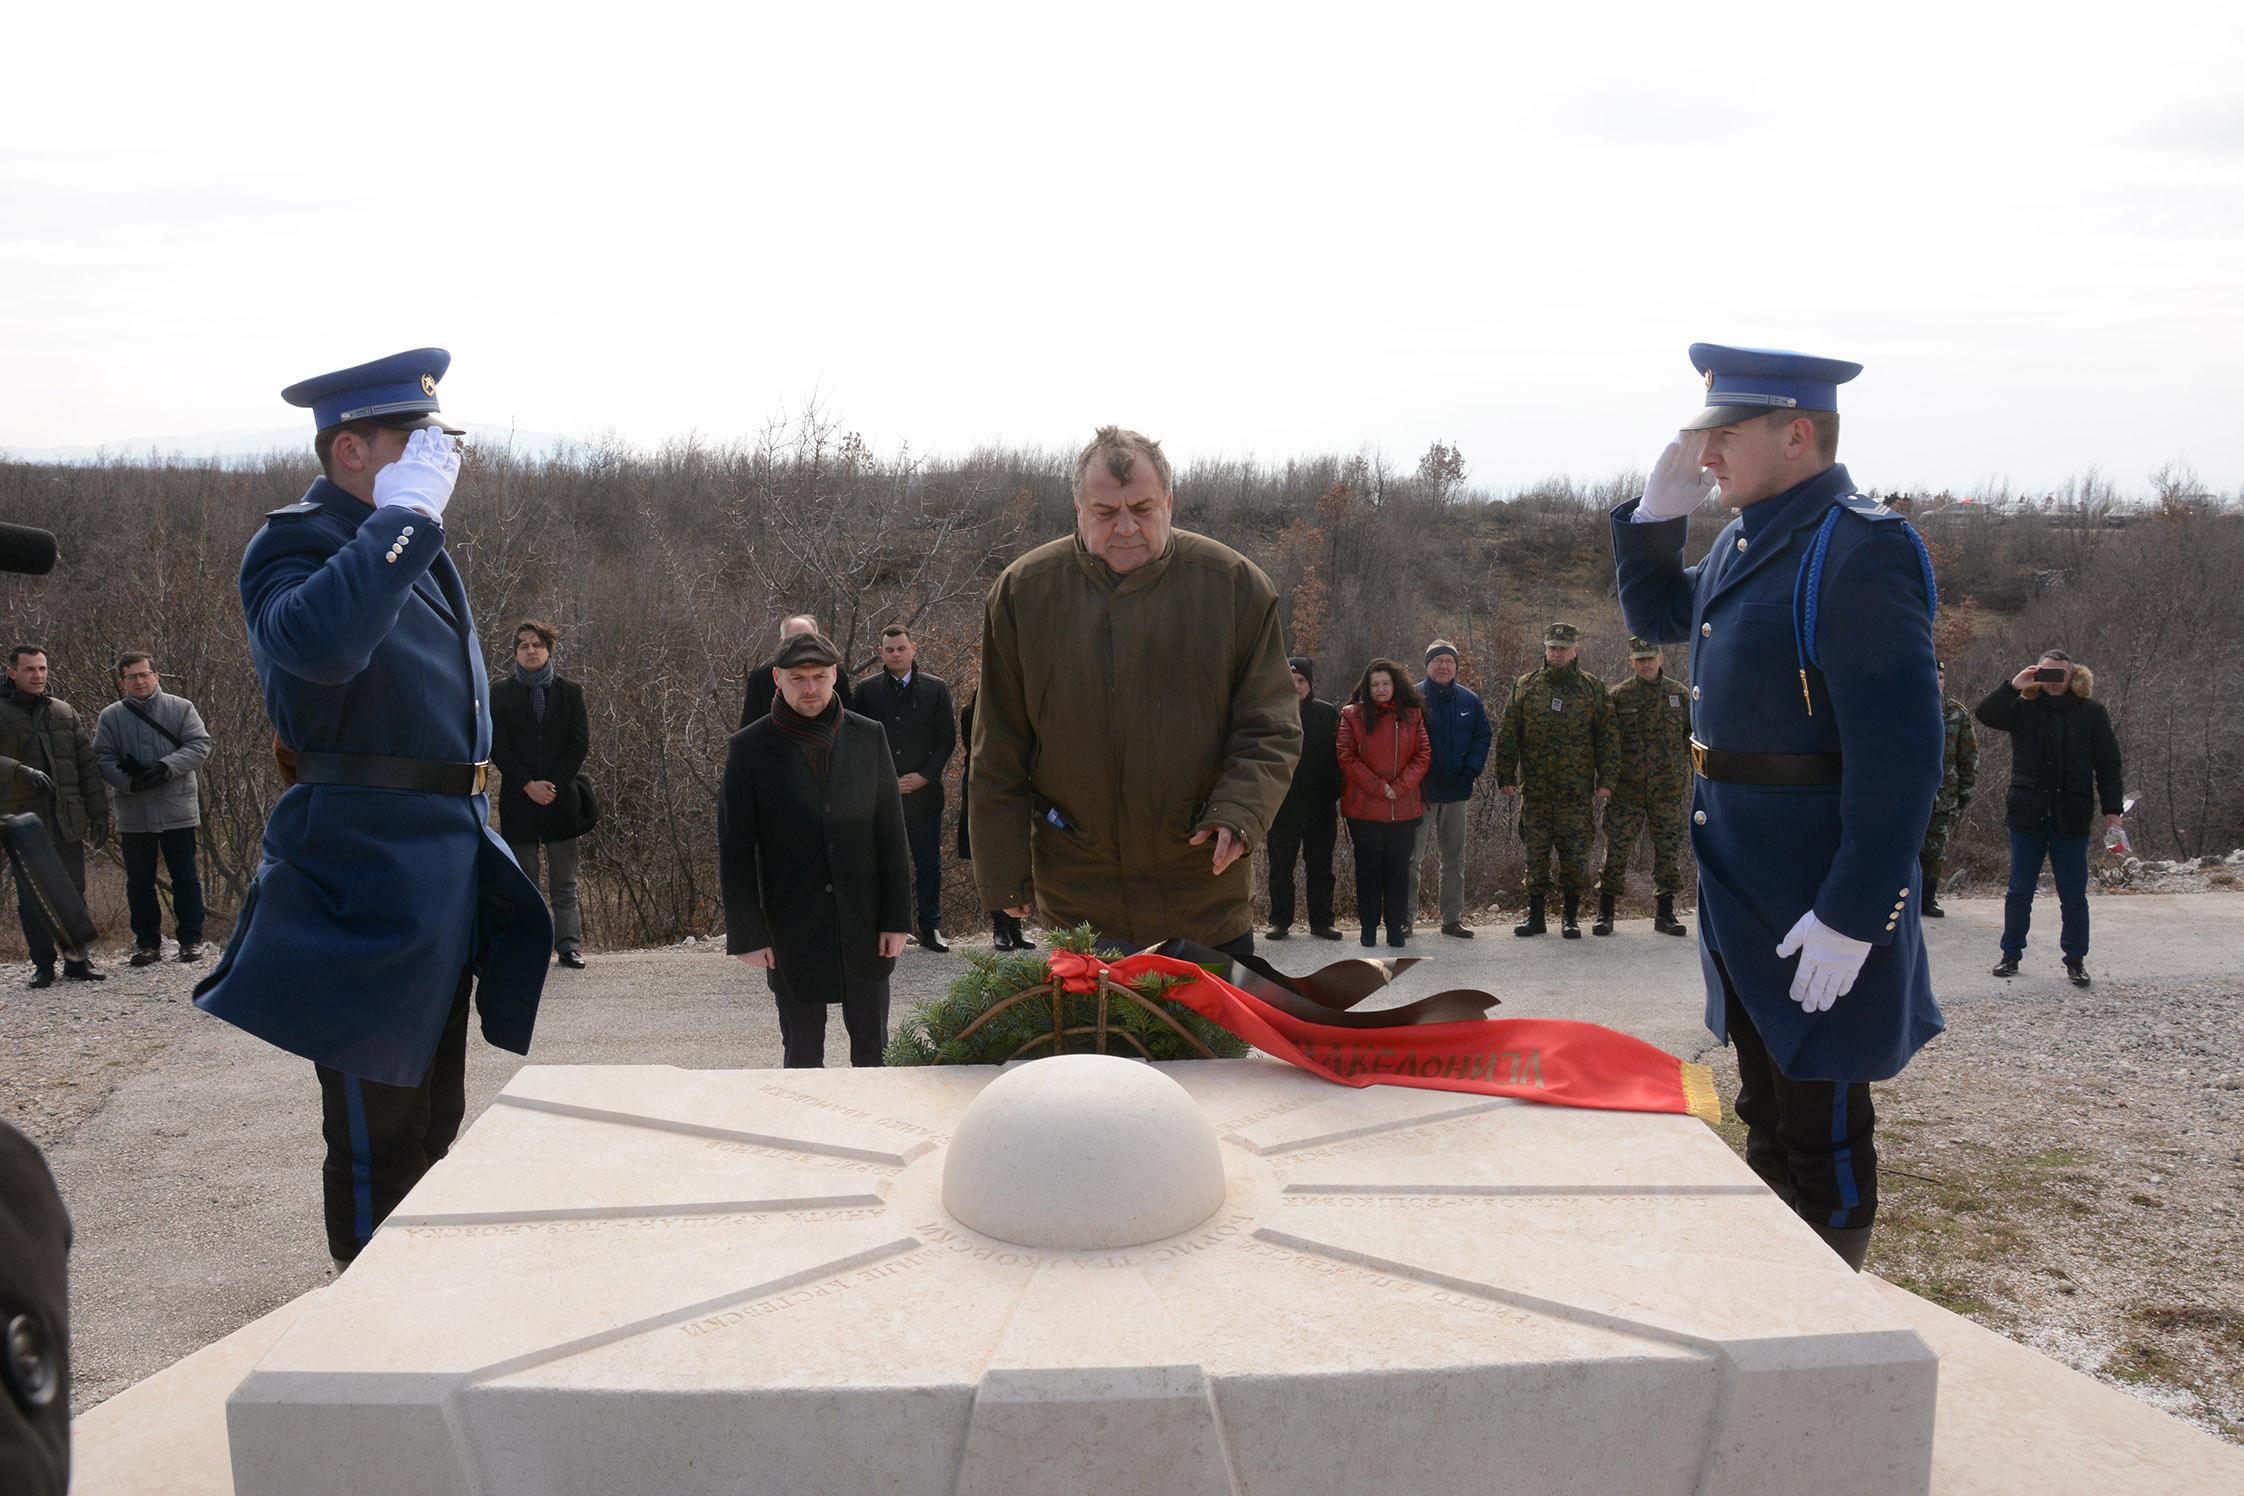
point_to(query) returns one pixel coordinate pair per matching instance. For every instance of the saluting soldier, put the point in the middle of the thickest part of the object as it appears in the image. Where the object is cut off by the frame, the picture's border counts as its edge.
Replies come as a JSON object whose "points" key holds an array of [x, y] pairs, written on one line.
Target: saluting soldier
{"points": [[1558, 751], [1652, 788], [1959, 781], [383, 892], [1817, 746]]}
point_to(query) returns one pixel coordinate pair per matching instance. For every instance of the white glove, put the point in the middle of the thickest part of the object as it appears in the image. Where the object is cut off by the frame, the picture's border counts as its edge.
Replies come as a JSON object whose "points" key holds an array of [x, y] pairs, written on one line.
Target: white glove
{"points": [[1829, 962], [1679, 482], [421, 479]]}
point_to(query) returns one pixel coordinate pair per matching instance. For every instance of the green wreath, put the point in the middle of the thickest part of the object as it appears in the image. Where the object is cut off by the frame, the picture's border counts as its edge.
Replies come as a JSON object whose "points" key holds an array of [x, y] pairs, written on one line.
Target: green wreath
{"points": [[1007, 1007]]}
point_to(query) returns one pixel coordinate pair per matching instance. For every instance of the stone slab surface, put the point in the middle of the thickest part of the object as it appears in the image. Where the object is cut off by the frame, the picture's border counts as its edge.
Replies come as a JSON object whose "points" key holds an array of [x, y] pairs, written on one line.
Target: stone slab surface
{"points": [[166, 1436], [644, 1278]]}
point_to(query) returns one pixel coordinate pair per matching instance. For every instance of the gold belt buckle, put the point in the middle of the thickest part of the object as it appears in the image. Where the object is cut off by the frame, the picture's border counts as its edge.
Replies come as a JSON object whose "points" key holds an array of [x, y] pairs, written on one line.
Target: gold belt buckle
{"points": [[482, 777], [1698, 758]]}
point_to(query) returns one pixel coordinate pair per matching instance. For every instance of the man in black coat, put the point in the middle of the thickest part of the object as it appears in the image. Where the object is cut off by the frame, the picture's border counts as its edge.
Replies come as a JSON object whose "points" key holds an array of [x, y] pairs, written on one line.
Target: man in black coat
{"points": [[34, 1324], [755, 702], [539, 737], [1006, 933], [813, 860], [2064, 757], [1309, 819], [915, 707]]}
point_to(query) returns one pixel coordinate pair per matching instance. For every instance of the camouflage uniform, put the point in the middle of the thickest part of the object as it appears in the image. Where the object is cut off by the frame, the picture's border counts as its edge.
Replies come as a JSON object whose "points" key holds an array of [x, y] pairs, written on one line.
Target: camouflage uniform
{"points": [[1558, 744], [1959, 780], [1652, 786]]}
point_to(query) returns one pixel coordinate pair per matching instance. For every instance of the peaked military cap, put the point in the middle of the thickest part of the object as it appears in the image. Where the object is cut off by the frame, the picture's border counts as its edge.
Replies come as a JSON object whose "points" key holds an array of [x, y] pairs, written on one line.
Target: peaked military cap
{"points": [[398, 391], [1742, 383], [1639, 649], [1561, 636]]}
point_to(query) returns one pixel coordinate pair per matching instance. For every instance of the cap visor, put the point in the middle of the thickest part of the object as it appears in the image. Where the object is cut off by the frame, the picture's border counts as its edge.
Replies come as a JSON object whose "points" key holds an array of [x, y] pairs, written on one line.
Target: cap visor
{"points": [[1716, 416], [429, 420]]}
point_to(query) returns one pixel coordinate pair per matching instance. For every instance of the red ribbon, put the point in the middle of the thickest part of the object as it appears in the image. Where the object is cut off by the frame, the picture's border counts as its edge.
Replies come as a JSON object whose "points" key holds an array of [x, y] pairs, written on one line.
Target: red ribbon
{"points": [[1553, 1060], [1076, 972]]}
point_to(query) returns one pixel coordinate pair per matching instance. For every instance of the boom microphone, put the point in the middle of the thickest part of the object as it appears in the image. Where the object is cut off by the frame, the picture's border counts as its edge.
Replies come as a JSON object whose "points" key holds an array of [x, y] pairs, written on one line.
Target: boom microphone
{"points": [[23, 549]]}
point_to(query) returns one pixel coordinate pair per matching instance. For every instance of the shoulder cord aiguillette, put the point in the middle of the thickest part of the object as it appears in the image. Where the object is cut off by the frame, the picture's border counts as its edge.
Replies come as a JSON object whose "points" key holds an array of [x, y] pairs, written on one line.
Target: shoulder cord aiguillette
{"points": [[1807, 589]]}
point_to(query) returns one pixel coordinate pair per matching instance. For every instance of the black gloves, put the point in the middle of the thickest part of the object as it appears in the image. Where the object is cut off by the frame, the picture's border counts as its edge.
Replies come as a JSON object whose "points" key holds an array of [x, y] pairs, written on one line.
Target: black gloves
{"points": [[151, 777], [36, 778]]}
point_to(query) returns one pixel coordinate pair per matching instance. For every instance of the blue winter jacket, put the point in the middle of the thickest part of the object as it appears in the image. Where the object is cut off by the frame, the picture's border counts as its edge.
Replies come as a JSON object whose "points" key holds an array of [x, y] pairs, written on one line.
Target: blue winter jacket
{"points": [[1457, 724]]}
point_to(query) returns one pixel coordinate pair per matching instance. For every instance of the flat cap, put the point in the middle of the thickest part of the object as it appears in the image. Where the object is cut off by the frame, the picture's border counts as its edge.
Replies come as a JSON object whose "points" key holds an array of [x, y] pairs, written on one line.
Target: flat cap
{"points": [[798, 650]]}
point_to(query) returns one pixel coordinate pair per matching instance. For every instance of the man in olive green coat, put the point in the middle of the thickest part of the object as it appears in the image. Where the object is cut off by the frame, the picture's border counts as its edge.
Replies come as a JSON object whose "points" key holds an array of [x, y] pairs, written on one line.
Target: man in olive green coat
{"points": [[1558, 745], [1136, 728]]}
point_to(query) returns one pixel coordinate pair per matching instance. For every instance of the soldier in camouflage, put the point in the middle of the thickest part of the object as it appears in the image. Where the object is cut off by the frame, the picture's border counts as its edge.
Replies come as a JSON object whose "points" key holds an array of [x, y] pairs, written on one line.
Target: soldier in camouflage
{"points": [[1959, 780], [1651, 789], [1558, 745]]}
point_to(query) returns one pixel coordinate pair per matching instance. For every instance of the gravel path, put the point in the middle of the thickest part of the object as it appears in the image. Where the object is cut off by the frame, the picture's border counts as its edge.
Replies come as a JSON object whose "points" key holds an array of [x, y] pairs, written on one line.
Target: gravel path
{"points": [[2081, 1157]]}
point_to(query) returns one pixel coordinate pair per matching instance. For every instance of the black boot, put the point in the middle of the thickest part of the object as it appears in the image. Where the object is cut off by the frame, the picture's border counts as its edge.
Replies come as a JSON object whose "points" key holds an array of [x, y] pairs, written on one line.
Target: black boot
{"points": [[1567, 910], [83, 971], [1533, 924], [1001, 939], [1663, 917], [1604, 925], [1930, 908], [1852, 1243], [931, 939], [1019, 932]]}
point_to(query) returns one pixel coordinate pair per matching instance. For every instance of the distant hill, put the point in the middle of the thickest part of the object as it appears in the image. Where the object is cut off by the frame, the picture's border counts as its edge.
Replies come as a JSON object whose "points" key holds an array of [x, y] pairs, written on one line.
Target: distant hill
{"points": [[228, 447]]}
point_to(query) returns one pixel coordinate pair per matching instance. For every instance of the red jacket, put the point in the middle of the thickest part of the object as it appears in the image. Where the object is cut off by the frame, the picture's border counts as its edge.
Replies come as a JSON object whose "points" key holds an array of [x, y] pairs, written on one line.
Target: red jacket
{"points": [[1391, 749]]}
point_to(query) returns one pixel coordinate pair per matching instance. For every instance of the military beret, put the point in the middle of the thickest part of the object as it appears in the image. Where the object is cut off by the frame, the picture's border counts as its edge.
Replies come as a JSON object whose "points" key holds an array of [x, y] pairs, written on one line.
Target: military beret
{"points": [[1561, 636], [1742, 383], [398, 391], [1638, 649], [806, 649]]}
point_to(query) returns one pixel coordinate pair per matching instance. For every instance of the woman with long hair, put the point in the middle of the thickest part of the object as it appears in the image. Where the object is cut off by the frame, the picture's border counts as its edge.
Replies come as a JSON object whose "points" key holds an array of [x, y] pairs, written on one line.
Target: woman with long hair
{"points": [[1384, 753]]}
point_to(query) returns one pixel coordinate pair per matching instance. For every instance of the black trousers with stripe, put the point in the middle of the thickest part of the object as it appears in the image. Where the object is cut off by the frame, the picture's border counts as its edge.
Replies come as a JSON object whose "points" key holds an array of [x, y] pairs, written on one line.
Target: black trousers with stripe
{"points": [[1809, 1140], [382, 1139]]}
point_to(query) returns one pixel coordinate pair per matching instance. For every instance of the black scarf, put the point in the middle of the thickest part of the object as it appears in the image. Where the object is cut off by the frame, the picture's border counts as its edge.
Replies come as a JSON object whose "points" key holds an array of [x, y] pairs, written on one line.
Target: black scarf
{"points": [[537, 680], [814, 735]]}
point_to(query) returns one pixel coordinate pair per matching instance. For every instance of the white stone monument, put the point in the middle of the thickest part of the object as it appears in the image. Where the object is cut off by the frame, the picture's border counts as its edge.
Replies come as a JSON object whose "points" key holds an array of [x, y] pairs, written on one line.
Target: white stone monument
{"points": [[1212, 1277]]}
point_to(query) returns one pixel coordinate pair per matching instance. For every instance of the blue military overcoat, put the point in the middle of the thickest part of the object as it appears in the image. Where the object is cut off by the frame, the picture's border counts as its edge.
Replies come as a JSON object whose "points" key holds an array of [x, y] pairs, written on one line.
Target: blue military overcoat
{"points": [[368, 902], [1768, 853]]}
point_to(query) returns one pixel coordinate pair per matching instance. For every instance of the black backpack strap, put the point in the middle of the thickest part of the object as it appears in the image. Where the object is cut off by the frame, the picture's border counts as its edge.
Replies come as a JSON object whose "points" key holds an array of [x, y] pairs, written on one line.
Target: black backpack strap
{"points": [[130, 705]]}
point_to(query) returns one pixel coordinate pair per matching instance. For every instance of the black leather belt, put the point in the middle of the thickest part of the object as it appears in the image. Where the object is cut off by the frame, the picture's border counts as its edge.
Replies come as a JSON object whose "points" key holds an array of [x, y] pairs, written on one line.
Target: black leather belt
{"points": [[1763, 768], [373, 771]]}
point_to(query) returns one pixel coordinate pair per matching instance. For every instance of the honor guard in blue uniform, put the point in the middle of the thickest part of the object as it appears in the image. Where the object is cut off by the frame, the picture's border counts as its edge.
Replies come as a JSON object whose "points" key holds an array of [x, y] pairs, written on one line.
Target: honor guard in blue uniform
{"points": [[1816, 744], [383, 898]]}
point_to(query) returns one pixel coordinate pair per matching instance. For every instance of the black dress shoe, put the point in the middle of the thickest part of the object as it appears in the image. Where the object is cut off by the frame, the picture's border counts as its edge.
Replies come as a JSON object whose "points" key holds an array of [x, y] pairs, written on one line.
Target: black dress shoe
{"points": [[932, 940], [2007, 967], [83, 971], [1277, 932], [1930, 908], [2076, 972], [43, 976], [1325, 932], [1458, 931], [574, 960]]}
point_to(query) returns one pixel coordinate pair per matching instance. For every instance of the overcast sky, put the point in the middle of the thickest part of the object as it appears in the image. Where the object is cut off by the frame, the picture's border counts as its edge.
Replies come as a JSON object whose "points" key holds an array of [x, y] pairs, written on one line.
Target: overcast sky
{"points": [[1268, 230]]}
